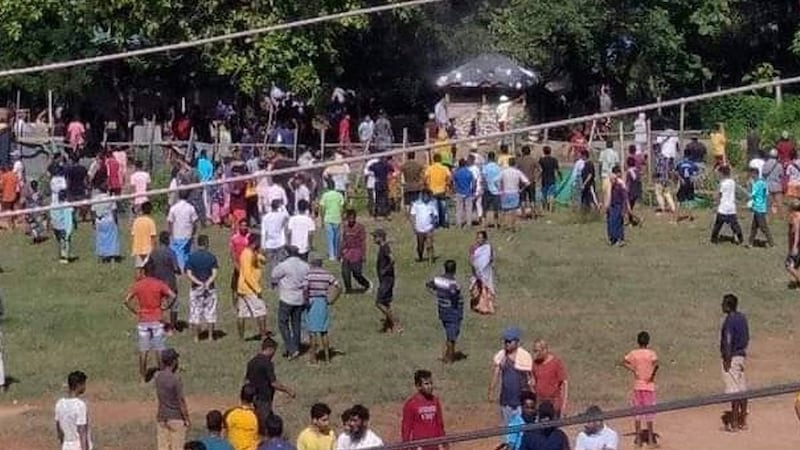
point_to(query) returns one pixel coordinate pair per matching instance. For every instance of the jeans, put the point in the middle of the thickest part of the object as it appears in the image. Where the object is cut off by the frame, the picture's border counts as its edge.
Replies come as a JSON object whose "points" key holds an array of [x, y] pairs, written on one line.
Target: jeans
{"points": [[354, 270], [289, 325], [464, 209], [332, 236], [441, 207]]}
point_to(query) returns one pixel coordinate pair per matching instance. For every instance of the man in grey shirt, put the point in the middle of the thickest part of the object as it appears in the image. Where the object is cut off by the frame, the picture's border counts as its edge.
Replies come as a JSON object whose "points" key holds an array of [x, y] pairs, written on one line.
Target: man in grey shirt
{"points": [[289, 277]]}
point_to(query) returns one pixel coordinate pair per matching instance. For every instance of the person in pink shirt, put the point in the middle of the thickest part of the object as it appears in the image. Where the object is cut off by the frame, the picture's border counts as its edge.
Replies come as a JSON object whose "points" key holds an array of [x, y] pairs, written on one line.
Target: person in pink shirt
{"points": [[643, 364], [140, 179], [237, 244], [76, 135]]}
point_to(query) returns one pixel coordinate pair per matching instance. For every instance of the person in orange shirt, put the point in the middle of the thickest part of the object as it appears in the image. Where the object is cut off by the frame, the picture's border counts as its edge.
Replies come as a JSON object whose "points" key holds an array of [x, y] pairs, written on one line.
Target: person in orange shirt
{"points": [[437, 179], [643, 364], [8, 190]]}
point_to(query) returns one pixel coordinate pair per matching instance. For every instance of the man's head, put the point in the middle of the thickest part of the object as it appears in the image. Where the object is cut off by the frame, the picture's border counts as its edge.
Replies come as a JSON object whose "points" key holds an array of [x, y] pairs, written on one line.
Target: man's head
{"points": [[268, 347], [643, 339], [242, 227], [254, 241], [729, 303], [321, 417], [350, 217], [540, 350], [77, 382], [163, 238], [169, 359], [511, 338], [273, 426], [357, 421], [450, 267], [202, 241], [302, 206], [594, 415], [528, 402], [214, 421], [423, 380], [247, 394], [379, 235], [147, 208]]}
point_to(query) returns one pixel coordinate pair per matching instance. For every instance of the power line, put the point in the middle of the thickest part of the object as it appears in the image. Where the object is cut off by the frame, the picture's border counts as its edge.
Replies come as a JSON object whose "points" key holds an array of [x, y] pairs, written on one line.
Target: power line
{"points": [[399, 151], [210, 40]]}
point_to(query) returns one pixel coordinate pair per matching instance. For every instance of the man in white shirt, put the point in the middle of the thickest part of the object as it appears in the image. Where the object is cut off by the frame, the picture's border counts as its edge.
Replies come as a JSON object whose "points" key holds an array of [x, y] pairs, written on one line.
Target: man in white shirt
{"points": [[512, 181], [425, 216], [726, 211], [273, 232], [358, 435], [182, 220], [72, 417], [301, 230], [596, 435]]}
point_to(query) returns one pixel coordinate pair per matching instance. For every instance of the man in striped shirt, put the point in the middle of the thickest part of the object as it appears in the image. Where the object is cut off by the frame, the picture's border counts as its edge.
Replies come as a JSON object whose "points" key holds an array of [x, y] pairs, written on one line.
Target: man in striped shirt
{"points": [[321, 290], [451, 307]]}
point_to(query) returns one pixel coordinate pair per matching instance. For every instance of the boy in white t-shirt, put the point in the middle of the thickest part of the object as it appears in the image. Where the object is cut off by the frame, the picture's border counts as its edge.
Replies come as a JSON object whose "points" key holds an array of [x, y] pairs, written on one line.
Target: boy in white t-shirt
{"points": [[72, 417], [301, 229], [726, 211]]}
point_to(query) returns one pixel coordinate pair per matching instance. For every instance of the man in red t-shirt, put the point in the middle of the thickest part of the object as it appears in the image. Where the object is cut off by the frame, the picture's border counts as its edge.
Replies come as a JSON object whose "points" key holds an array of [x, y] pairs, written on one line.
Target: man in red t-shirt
{"points": [[550, 376], [147, 299], [422, 412]]}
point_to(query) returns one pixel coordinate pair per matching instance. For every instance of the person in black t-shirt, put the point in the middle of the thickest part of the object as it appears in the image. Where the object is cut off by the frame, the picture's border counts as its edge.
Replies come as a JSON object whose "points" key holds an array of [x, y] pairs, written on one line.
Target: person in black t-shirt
{"points": [[261, 374], [550, 174], [385, 294]]}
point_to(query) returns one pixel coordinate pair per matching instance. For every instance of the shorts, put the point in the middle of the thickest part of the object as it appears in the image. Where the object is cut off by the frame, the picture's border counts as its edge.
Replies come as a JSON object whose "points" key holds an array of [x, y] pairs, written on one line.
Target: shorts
{"points": [[734, 378], [644, 398], [385, 292], [250, 306], [528, 194], [792, 262], [410, 197], [509, 201], [139, 261], [548, 191], [202, 306], [151, 336], [491, 202]]}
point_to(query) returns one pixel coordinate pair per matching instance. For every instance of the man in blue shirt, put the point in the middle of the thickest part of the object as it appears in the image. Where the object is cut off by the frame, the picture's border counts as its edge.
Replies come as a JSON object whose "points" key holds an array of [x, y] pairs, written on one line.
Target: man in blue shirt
{"points": [[464, 185], [758, 203], [214, 440], [491, 197], [734, 339]]}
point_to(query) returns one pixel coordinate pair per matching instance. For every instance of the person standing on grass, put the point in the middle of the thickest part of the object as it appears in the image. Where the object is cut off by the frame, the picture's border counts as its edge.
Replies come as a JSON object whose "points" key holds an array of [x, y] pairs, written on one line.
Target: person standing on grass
{"points": [[512, 371], [182, 222], [450, 304], [301, 228], [792, 261], [214, 440], [289, 277], [424, 215], [491, 196], [62, 220], [596, 435], [72, 415], [249, 304], [149, 294], [143, 236], [321, 291], [438, 181], [759, 198], [318, 435], [734, 339], [165, 268], [242, 422], [550, 175], [384, 270], [481, 258], [643, 364], [550, 438], [422, 412], [273, 233], [273, 433], [201, 269], [331, 205], [236, 245], [140, 179], [550, 378], [616, 205], [353, 253], [358, 435], [464, 185], [173, 414], [726, 210], [412, 179], [261, 374]]}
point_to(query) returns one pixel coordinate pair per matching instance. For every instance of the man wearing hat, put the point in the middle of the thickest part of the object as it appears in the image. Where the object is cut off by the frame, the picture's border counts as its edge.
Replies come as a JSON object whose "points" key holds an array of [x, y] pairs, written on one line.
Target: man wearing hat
{"points": [[596, 435], [385, 273], [512, 371], [173, 414]]}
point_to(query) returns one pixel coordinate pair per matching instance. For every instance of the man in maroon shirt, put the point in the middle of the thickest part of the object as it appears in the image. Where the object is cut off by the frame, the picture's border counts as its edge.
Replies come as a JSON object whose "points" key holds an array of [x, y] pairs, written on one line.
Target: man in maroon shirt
{"points": [[550, 377], [422, 412], [353, 252]]}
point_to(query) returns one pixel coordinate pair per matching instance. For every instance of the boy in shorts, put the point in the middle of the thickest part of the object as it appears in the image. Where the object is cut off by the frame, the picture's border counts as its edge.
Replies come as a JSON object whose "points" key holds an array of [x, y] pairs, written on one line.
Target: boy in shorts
{"points": [[450, 304], [385, 273], [147, 299], [643, 364]]}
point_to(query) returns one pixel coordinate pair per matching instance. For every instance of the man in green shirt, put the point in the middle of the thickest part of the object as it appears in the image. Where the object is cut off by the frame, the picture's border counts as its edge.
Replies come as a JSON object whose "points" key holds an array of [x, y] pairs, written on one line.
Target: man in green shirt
{"points": [[331, 205]]}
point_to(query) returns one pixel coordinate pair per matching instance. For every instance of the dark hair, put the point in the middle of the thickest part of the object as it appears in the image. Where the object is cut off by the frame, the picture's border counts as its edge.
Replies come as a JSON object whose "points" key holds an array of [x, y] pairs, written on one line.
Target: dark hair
{"points": [[437, 158], [643, 339], [730, 301], [450, 267], [214, 421], [526, 150], [268, 343], [147, 208], [163, 237], [273, 426], [320, 410], [359, 411], [75, 379], [547, 150], [248, 393], [302, 205], [421, 375], [202, 240]]}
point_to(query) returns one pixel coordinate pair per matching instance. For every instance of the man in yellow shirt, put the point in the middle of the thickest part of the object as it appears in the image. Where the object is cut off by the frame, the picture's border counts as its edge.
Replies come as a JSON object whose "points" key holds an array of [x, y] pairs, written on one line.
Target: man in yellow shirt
{"points": [[718, 143], [143, 236], [241, 422], [437, 179], [249, 304], [318, 435]]}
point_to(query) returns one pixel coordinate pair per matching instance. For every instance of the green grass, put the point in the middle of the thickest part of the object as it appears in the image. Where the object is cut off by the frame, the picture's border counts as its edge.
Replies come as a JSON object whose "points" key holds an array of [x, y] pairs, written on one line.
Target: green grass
{"points": [[558, 280]]}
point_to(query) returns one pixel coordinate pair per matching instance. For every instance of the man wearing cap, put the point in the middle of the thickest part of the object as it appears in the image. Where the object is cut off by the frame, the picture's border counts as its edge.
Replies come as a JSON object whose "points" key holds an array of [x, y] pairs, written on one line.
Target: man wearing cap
{"points": [[512, 369], [289, 277], [173, 414], [596, 435], [385, 273]]}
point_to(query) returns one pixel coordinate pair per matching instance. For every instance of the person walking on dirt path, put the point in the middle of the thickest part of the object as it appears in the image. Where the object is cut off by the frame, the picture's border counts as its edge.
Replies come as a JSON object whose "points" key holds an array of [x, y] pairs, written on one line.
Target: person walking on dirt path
{"points": [[173, 413], [261, 374], [72, 415], [643, 364], [734, 340], [422, 412]]}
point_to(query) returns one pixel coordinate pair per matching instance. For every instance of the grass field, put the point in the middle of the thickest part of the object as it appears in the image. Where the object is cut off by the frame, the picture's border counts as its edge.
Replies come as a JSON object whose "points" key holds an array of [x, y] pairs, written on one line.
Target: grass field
{"points": [[556, 279]]}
